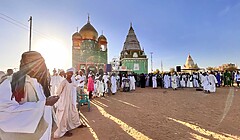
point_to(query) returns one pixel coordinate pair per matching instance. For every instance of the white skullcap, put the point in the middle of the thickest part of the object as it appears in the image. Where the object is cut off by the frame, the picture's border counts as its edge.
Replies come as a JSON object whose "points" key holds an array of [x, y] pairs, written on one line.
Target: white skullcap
{"points": [[70, 70]]}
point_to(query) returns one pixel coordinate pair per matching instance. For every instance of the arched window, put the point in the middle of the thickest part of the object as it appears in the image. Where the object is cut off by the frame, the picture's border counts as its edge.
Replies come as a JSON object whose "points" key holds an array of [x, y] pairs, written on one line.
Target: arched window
{"points": [[135, 55]]}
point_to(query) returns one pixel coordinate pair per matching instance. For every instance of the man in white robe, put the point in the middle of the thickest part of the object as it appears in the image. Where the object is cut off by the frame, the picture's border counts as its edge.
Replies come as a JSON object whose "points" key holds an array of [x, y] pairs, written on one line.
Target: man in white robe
{"points": [[81, 79], [174, 82], [166, 81], [154, 81], [201, 77], [212, 82], [183, 81], [113, 84], [25, 112], [55, 82], [118, 82], [106, 80], [205, 82], [237, 78], [132, 82], [97, 85], [195, 80], [66, 113]]}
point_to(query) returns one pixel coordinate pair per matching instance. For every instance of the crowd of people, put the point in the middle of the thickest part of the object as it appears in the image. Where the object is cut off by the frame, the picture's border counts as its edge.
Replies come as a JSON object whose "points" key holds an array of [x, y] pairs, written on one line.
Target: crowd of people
{"points": [[208, 81], [31, 97]]}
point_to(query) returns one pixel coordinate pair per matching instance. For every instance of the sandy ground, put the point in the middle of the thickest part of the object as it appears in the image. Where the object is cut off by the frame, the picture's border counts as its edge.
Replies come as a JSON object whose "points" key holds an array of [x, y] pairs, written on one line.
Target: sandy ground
{"points": [[162, 114]]}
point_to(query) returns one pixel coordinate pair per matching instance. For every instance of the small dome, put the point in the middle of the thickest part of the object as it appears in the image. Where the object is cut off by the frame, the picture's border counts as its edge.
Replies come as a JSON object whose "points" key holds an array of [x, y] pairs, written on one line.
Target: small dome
{"points": [[102, 38], [88, 32], [76, 35]]}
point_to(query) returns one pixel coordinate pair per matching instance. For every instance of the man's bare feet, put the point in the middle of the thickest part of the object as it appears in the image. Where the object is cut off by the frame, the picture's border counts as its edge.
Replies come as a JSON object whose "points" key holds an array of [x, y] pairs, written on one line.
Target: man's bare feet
{"points": [[68, 134]]}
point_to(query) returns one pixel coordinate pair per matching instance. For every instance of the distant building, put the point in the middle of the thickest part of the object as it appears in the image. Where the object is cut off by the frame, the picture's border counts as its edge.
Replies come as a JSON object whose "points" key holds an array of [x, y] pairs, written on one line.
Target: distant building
{"points": [[223, 67], [132, 57], [89, 52], [190, 66]]}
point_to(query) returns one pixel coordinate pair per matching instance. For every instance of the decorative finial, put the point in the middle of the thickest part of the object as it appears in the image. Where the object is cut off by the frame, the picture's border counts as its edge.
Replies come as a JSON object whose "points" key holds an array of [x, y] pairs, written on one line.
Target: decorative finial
{"points": [[130, 24], [77, 29], [88, 18], [102, 32]]}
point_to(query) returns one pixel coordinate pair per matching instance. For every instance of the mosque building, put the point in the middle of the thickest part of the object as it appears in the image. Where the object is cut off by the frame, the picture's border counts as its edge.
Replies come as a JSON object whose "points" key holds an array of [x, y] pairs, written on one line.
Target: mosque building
{"points": [[89, 51], [132, 57]]}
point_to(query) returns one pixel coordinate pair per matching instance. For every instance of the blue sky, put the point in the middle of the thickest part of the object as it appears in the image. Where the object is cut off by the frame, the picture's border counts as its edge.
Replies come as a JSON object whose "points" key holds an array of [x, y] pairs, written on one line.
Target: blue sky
{"points": [[207, 29]]}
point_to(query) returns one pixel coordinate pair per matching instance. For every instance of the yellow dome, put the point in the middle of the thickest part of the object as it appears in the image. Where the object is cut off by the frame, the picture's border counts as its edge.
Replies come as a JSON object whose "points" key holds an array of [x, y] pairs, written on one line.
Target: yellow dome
{"points": [[76, 35], [102, 38], [88, 32]]}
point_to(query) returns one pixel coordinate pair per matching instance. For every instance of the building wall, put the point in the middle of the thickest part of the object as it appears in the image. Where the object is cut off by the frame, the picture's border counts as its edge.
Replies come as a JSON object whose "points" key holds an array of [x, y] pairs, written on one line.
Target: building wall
{"points": [[88, 53], [136, 65]]}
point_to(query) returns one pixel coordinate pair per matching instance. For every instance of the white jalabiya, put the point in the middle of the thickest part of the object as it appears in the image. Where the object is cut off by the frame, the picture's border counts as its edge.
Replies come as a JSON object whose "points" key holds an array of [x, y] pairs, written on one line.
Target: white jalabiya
{"points": [[132, 83], [113, 84], [95, 93], [66, 113], [205, 83], [122, 85], [195, 80], [174, 82], [237, 77], [74, 90], [154, 81], [105, 78], [201, 77], [166, 81], [54, 83], [189, 81], [183, 81], [178, 80], [22, 121], [101, 88], [212, 83], [97, 86]]}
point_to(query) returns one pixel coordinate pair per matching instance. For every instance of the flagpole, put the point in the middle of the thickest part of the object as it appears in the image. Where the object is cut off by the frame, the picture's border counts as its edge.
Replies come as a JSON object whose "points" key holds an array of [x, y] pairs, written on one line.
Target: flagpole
{"points": [[30, 35]]}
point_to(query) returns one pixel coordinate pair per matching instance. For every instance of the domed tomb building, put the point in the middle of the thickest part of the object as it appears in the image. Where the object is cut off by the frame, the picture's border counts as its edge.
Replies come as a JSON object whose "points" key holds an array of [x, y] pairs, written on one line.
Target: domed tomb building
{"points": [[190, 66], [89, 51], [132, 56]]}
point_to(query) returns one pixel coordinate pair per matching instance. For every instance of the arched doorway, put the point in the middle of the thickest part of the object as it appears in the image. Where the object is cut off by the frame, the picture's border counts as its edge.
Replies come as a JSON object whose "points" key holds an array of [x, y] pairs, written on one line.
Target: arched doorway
{"points": [[100, 71], [91, 68]]}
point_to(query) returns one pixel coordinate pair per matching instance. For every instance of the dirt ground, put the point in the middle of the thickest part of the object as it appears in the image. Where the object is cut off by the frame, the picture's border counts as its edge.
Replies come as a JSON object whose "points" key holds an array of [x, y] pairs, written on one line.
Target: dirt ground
{"points": [[162, 114]]}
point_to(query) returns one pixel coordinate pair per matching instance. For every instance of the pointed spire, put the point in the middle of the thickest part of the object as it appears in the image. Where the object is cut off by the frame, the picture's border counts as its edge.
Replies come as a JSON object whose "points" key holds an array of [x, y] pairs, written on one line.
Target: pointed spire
{"points": [[102, 32], [131, 28], [88, 18], [131, 42], [77, 29]]}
